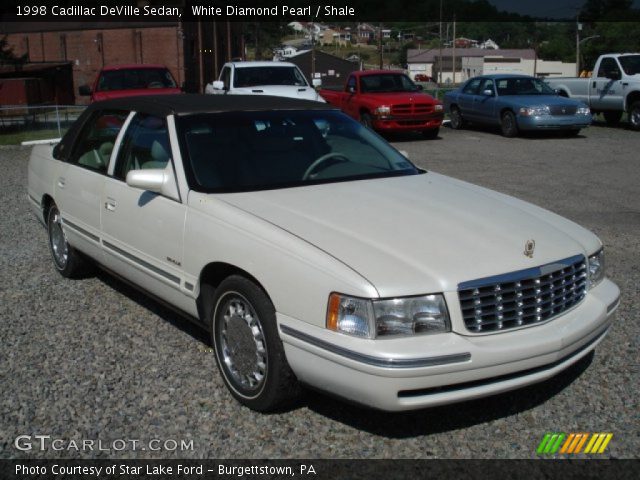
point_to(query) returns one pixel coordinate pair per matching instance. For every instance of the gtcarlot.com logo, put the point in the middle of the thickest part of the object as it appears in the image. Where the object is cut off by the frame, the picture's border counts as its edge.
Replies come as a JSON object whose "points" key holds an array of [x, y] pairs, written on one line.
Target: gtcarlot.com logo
{"points": [[573, 443]]}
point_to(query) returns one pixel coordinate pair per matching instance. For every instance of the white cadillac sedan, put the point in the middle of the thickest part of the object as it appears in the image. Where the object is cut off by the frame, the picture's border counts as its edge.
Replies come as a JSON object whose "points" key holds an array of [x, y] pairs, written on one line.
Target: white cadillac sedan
{"points": [[315, 253]]}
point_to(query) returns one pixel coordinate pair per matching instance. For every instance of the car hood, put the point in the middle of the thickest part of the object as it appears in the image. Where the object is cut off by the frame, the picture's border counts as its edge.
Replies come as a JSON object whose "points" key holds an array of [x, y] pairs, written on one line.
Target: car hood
{"points": [[392, 98], [418, 234], [108, 95], [290, 91], [537, 100]]}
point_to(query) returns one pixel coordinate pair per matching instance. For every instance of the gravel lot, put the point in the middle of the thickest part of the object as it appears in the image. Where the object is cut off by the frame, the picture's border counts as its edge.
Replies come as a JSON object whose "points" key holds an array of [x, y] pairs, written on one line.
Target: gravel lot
{"points": [[93, 359]]}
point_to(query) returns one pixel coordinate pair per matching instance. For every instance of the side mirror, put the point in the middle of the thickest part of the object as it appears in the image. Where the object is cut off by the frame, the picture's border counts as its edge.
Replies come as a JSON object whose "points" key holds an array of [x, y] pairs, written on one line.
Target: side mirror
{"points": [[84, 90], [419, 87], [488, 92], [57, 151], [351, 89], [154, 180], [218, 85], [316, 82]]}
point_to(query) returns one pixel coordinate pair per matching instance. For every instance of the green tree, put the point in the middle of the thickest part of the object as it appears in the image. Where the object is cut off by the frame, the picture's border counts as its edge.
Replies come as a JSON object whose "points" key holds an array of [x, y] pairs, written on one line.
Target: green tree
{"points": [[7, 56]]}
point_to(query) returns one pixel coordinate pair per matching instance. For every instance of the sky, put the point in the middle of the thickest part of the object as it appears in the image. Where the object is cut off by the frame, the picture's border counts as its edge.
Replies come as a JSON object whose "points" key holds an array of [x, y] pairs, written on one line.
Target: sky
{"points": [[544, 8]]}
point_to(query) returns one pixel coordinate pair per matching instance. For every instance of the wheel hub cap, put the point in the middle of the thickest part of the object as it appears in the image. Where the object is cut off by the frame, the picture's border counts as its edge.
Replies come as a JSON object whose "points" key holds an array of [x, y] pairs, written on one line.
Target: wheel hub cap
{"points": [[59, 242], [243, 345]]}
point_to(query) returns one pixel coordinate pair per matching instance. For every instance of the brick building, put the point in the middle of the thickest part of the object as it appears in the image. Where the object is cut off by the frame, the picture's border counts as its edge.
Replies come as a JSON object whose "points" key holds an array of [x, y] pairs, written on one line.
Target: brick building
{"points": [[194, 51]]}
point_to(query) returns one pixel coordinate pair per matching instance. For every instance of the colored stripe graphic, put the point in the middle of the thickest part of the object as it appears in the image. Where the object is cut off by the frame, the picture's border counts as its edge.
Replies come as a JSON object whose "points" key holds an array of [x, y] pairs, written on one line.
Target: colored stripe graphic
{"points": [[568, 442], [572, 443], [543, 443], [582, 441], [605, 443]]}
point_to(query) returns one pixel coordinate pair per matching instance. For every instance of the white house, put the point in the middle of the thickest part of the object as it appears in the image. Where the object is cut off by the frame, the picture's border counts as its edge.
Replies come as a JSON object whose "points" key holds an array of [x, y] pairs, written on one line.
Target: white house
{"points": [[470, 62]]}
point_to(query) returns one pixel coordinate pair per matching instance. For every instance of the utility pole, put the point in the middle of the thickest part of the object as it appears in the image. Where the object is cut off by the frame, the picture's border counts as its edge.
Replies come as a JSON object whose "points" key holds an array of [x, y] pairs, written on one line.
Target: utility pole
{"points": [[380, 45], [313, 52], [440, 45], [578, 28], [454, 49]]}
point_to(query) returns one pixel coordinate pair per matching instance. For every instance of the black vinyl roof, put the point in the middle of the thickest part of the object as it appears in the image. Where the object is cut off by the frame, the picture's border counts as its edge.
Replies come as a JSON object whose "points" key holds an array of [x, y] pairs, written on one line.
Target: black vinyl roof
{"points": [[183, 104]]}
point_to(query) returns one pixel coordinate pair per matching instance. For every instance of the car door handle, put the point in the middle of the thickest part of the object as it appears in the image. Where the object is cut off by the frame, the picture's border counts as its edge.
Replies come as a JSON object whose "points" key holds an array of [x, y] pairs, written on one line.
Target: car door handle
{"points": [[625, 84], [62, 182], [594, 84], [110, 204]]}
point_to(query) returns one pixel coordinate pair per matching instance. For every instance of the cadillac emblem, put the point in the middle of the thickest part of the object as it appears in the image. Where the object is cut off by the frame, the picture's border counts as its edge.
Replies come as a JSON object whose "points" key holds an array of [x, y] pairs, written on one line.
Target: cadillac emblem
{"points": [[529, 247]]}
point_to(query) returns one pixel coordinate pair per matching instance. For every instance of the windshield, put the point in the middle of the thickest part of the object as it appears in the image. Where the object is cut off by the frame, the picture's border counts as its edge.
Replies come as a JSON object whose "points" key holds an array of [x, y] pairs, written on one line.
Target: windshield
{"points": [[138, 78], [244, 151], [387, 82], [522, 86], [255, 76], [630, 64]]}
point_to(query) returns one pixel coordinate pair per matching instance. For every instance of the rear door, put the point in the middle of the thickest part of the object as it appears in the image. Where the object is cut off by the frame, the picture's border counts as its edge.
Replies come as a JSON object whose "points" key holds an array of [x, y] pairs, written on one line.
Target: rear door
{"points": [[143, 231], [467, 96], [605, 89], [484, 105], [79, 186]]}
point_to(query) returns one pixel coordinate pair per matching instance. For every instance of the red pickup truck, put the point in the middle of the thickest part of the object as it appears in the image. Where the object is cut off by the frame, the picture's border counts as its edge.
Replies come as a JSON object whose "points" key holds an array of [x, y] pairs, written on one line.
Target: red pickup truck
{"points": [[387, 100], [118, 81]]}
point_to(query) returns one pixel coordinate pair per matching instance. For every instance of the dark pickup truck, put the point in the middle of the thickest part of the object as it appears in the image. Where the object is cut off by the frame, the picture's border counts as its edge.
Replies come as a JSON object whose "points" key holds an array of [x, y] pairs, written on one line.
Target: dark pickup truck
{"points": [[388, 101]]}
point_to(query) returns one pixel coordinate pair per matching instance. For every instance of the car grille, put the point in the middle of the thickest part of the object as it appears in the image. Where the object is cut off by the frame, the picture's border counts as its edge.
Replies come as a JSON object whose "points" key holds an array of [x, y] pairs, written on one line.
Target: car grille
{"points": [[525, 297], [412, 109], [563, 109]]}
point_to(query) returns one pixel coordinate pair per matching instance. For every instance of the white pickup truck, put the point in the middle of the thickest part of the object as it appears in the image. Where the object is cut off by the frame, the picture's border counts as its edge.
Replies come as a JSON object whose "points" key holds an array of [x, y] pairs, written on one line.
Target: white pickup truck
{"points": [[279, 79], [613, 88]]}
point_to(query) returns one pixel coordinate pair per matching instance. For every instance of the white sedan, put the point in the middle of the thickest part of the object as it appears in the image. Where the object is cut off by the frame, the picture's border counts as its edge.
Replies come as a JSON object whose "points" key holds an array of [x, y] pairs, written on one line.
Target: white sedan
{"points": [[315, 253]]}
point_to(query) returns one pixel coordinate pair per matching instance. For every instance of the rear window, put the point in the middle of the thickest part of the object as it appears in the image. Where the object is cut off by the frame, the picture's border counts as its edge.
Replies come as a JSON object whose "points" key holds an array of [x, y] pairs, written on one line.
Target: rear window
{"points": [[135, 78], [255, 76]]}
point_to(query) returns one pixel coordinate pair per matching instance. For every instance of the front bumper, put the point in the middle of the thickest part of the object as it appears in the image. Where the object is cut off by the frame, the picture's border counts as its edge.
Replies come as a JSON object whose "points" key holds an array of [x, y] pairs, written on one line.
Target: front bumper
{"points": [[407, 122], [416, 372], [554, 122]]}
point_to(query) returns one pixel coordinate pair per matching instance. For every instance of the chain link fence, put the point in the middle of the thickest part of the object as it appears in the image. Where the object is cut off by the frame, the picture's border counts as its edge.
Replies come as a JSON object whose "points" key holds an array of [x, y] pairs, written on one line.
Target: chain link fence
{"points": [[19, 123]]}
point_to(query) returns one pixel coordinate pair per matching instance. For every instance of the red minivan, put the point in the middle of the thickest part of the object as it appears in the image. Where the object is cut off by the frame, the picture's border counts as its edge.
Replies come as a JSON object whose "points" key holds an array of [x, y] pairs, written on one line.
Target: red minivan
{"points": [[128, 80]]}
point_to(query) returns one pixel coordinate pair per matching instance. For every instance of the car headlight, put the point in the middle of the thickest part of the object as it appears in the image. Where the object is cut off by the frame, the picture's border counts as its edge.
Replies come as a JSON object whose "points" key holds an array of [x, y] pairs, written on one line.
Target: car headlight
{"points": [[350, 315], [426, 314], [534, 111], [583, 111], [383, 111], [411, 315], [438, 107], [596, 268]]}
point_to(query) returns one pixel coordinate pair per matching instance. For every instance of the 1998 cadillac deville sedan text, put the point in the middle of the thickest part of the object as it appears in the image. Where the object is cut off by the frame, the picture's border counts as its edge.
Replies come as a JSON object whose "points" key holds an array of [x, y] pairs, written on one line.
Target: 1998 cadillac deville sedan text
{"points": [[316, 253]]}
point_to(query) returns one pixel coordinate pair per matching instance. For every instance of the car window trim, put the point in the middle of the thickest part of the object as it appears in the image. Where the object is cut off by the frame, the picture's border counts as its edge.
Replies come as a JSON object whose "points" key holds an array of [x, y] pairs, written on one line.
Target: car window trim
{"points": [[116, 154], [88, 123], [119, 138]]}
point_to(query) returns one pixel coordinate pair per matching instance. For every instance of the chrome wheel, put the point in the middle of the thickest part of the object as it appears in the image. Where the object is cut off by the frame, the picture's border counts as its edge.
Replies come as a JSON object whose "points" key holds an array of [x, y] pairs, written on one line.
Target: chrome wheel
{"points": [[366, 121], [634, 116], [57, 239], [248, 349], [242, 343], [456, 118], [509, 125]]}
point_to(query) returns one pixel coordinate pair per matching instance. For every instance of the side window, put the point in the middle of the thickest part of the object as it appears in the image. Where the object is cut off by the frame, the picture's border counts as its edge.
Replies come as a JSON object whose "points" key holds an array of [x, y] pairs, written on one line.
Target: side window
{"points": [[503, 87], [225, 77], [487, 84], [145, 145], [472, 87], [351, 84], [608, 66], [95, 143]]}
